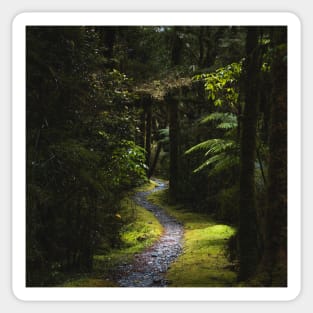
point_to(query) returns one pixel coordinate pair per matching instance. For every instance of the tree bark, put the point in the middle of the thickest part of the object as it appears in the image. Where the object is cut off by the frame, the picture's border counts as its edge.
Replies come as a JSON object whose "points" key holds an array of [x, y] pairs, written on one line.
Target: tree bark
{"points": [[177, 47], [173, 102], [276, 215], [155, 160], [248, 251], [148, 106], [142, 139], [174, 138], [201, 46]]}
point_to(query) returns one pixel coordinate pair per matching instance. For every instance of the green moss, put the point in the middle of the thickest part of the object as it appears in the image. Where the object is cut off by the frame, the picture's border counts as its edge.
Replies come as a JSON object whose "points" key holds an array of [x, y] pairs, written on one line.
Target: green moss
{"points": [[203, 262], [141, 230], [136, 236], [89, 282], [146, 187]]}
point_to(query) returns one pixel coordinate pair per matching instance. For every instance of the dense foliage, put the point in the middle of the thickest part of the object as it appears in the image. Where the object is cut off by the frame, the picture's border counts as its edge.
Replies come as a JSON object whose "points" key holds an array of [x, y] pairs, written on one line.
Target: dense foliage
{"points": [[81, 152], [108, 107]]}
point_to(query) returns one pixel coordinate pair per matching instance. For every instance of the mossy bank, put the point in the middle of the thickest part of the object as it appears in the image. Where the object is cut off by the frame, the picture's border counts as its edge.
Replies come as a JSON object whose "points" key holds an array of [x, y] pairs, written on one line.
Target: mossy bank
{"points": [[204, 261]]}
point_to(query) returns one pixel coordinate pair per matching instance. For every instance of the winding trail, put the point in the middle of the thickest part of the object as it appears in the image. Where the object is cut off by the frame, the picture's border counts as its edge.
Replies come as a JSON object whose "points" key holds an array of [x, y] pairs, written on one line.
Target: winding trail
{"points": [[150, 266]]}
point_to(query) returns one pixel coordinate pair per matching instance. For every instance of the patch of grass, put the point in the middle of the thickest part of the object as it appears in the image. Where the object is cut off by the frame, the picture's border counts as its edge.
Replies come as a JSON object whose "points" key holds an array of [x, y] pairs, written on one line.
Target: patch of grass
{"points": [[141, 230], [146, 187], [141, 233], [203, 262]]}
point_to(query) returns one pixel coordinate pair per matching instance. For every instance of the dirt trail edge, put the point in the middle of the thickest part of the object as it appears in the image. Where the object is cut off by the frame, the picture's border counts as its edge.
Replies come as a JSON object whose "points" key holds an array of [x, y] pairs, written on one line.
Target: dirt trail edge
{"points": [[150, 266]]}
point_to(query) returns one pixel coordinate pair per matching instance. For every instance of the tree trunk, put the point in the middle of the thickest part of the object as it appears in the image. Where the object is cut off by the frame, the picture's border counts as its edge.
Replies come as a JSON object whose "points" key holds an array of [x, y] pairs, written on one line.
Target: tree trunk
{"points": [[110, 35], [177, 47], [142, 139], [248, 251], [201, 46], [155, 160], [148, 106], [174, 138], [173, 102], [276, 216]]}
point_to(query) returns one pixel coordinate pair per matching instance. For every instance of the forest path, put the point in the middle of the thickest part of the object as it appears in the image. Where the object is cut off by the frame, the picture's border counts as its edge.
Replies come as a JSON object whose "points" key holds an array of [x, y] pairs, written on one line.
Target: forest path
{"points": [[150, 266]]}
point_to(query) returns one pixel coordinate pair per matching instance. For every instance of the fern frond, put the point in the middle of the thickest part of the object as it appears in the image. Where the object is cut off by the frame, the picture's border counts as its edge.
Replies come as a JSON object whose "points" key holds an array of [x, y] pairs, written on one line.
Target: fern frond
{"points": [[222, 153], [216, 116], [219, 116], [220, 146], [227, 125], [216, 145], [224, 163], [164, 135], [219, 162], [164, 131], [209, 161], [205, 145]]}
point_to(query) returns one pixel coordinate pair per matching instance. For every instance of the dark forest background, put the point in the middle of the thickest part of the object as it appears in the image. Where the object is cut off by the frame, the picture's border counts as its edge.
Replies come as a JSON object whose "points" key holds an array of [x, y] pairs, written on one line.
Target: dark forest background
{"points": [[109, 107]]}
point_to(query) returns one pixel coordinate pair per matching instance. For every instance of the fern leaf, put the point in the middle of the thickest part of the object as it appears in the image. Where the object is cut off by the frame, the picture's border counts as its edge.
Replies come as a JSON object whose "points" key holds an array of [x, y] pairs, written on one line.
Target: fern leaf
{"points": [[223, 164], [227, 125], [219, 162], [164, 132], [216, 116], [205, 145], [164, 135], [208, 162], [219, 116], [220, 146]]}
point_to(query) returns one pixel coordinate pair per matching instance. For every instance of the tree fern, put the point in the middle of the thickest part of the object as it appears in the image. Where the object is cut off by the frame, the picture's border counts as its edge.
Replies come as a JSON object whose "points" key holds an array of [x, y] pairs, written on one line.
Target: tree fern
{"points": [[227, 125], [217, 145], [225, 121], [221, 145], [222, 153], [220, 117], [211, 160], [225, 162], [221, 160]]}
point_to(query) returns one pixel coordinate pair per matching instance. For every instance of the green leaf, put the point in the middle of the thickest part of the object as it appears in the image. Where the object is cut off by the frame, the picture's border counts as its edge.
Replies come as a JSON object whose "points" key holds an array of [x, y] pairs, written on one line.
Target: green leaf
{"points": [[218, 102]]}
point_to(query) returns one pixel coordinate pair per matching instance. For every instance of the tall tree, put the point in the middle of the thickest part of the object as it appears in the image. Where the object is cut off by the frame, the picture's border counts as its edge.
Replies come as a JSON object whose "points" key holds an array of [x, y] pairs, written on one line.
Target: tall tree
{"points": [[174, 138], [276, 237], [173, 102], [148, 110], [80, 153], [248, 251]]}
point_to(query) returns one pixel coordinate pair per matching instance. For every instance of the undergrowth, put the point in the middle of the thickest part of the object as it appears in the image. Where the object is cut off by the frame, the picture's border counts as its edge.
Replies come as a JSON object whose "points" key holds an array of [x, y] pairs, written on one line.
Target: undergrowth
{"points": [[141, 229], [204, 261]]}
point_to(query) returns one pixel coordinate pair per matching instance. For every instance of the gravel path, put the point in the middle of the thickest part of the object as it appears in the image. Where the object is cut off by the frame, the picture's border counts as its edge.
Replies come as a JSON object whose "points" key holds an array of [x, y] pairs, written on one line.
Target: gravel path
{"points": [[150, 266]]}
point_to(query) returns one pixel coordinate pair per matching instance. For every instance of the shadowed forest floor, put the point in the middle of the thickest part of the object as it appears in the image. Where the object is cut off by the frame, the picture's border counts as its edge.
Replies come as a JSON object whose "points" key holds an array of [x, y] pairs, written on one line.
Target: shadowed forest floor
{"points": [[150, 266], [204, 249], [161, 244], [108, 107]]}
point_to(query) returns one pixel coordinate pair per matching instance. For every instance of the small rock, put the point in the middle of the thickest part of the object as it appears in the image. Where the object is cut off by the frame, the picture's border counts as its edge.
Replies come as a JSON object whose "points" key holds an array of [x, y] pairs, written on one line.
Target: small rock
{"points": [[157, 279]]}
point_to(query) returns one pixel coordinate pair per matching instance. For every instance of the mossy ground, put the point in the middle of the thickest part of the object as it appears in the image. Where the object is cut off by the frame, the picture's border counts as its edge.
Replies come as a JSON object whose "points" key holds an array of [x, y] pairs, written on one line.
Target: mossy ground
{"points": [[89, 282], [203, 262], [141, 230], [141, 233]]}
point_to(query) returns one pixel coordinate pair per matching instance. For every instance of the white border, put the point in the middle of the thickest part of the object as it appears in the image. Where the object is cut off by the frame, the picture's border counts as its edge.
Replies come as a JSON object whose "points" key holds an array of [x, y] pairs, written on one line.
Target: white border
{"points": [[153, 294]]}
